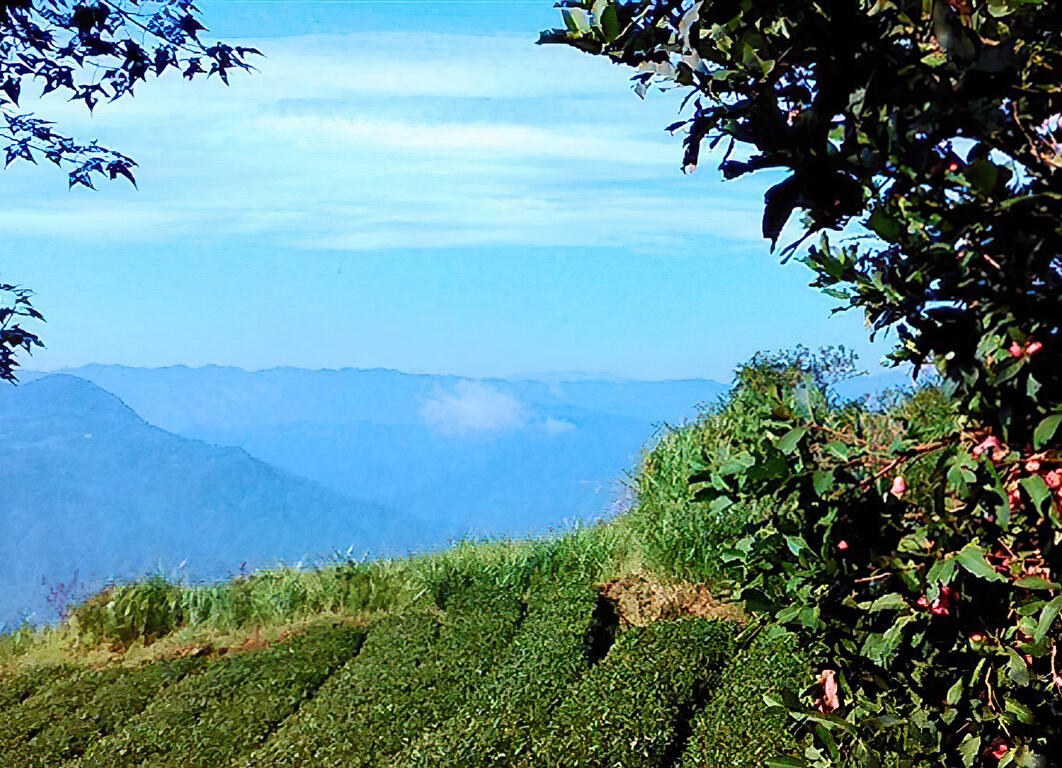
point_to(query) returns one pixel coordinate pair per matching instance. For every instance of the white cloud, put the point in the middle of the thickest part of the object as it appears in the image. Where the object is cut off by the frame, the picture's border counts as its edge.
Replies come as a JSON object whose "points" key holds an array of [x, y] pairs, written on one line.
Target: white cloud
{"points": [[498, 140], [337, 143], [555, 426], [473, 406]]}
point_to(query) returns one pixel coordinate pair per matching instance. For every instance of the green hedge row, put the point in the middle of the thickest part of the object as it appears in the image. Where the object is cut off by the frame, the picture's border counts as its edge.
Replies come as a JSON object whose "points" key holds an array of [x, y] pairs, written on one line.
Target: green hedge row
{"points": [[63, 720], [415, 671], [634, 707], [16, 688], [736, 728], [503, 716], [212, 718]]}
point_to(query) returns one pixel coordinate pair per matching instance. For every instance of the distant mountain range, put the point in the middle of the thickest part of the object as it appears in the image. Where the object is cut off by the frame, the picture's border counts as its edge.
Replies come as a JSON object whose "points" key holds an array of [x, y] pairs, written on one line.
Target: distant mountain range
{"points": [[114, 471], [475, 456], [90, 486]]}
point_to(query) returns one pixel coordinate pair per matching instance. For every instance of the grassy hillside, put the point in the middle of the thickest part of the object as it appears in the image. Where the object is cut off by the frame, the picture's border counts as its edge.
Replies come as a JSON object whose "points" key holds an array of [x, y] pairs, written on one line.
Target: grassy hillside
{"points": [[611, 645]]}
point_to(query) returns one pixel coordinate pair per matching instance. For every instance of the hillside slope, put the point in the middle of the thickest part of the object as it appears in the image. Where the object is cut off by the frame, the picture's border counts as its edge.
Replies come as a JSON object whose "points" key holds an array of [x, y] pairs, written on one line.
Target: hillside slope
{"points": [[89, 486], [499, 655]]}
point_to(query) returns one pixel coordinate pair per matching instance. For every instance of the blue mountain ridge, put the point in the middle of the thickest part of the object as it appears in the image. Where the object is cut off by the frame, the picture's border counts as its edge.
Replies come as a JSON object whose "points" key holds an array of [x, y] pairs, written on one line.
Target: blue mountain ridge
{"points": [[485, 456], [90, 487], [114, 471]]}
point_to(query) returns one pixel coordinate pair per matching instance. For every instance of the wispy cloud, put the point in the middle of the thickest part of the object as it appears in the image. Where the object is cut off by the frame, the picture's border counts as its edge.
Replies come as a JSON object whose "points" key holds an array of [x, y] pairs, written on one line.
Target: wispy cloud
{"points": [[499, 140], [339, 144], [473, 406], [554, 426]]}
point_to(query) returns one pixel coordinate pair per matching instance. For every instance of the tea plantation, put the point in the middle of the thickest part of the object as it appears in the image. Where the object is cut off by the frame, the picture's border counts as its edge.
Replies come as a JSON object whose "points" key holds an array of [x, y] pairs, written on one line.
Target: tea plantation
{"points": [[605, 646]]}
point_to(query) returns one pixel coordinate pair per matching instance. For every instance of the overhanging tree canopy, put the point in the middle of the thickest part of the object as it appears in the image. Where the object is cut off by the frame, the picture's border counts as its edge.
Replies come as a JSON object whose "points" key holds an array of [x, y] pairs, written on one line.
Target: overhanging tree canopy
{"points": [[89, 52], [92, 52], [934, 123], [934, 607]]}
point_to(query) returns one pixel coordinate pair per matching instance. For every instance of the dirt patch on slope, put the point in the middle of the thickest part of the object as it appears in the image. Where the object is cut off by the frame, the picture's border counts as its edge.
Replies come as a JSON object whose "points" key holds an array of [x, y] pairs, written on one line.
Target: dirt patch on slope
{"points": [[639, 599]]}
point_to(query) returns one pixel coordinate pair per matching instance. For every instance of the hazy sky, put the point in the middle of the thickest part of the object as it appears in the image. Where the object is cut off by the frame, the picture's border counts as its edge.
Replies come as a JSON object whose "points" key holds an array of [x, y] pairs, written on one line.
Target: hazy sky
{"points": [[412, 185]]}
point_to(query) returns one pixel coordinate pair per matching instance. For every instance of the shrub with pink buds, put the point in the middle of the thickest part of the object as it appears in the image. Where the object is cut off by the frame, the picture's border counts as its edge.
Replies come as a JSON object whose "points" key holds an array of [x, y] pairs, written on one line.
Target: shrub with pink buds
{"points": [[899, 486], [999, 750], [986, 445]]}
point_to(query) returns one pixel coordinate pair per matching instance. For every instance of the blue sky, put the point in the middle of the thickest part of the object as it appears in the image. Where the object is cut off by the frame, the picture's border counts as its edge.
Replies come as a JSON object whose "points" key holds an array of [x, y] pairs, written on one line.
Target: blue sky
{"points": [[412, 185]]}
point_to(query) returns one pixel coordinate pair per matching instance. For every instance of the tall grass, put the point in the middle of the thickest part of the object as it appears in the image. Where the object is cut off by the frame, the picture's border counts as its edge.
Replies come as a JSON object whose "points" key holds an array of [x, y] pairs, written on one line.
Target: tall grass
{"points": [[154, 607]]}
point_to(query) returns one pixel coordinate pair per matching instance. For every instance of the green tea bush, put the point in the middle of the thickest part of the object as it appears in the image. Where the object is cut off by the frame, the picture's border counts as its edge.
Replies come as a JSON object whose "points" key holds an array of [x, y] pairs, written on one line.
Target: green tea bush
{"points": [[59, 723], [17, 687], [736, 728], [212, 718], [634, 707], [414, 672], [22, 724], [361, 702], [504, 716]]}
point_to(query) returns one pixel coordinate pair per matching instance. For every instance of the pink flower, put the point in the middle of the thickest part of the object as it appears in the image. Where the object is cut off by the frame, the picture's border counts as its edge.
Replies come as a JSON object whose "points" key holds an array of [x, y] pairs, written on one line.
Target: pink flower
{"points": [[1033, 348], [977, 637], [1032, 465], [939, 608], [1016, 350], [985, 445], [945, 600], [999, 750], [829, 699], [899, 486], [1014, 499], [842, 545], [1054, 479], [922, 602]]}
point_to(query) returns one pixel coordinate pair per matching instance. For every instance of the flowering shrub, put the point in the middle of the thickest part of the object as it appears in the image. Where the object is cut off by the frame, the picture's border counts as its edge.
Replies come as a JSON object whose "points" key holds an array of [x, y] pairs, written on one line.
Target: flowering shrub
{"points": [[924, 566]]}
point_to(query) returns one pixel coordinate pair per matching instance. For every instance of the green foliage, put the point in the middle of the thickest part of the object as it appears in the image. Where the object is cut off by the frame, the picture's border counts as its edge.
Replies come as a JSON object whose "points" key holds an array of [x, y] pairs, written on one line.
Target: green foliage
{"points": [[926, 622], [500, 722], [414, 671], [688, 538], [146, 610], [736, 728], [210, 718], [634, 707], [15, 308], [16, 688], [922, 562], [61, 721], [866, 106]]}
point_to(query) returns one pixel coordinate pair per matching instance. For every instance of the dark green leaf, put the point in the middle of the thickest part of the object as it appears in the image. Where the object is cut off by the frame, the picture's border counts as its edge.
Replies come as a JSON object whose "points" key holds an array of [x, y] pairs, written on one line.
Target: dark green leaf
{"points": [[1047, 618], [972, 558], [1046, 429], [788, 442]]}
